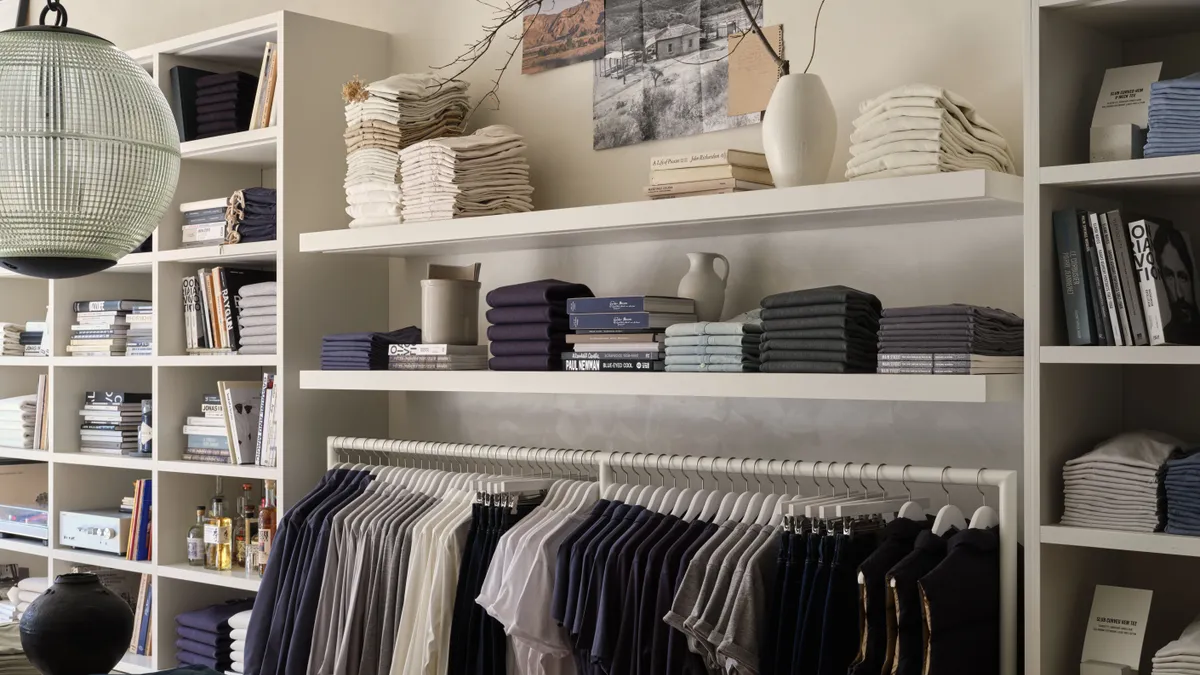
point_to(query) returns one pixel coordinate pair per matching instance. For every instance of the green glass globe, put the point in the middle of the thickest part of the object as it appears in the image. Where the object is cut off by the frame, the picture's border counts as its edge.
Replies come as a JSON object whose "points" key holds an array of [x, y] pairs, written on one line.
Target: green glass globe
{"points": [[89, 153]]}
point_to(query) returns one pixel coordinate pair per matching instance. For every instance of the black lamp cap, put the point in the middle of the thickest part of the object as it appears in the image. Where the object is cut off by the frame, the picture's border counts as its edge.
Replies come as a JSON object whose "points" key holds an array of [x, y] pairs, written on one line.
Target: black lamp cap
{"points": [[55, 29], [55, 268]]}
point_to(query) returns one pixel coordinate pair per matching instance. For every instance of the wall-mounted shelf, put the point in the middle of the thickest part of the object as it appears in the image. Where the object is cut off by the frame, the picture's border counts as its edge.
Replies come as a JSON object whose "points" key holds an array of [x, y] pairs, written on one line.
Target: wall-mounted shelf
{"points": [[257, 147], [1116, 540], [1143, 356], [1158, 174]]}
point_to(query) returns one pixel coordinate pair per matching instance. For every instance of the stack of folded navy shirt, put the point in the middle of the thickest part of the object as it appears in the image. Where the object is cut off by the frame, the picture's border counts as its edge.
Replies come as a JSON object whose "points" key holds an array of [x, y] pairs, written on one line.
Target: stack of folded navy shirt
{"points": [[254, 216], [951, 340], [364, 351], [203, 637], [224, 103], [529, 324], [1180, 481], [833, 329], [1174, 117]]}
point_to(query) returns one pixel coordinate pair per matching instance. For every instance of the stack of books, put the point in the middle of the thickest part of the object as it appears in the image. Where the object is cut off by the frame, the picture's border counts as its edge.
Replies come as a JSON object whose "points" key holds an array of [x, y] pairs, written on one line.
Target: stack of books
{"points": [[143, 628], [32, 338], [708, 173], [211, 313], [140, 540], [206, 437], [203, 223], [623, 333], [101, 327], [110, 423], [139, 340], [437, 357]]}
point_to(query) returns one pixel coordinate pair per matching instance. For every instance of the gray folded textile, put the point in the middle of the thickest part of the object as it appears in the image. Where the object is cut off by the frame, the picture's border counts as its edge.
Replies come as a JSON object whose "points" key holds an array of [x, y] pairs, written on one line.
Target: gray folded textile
{"points": [[712, 368], [257, 349], [980, 333], [862, 310], [820, 345], [245, 322], [712, 359], [256, 301], [255, 331], [972, 311], [257, 340], [862, 360], [826, 295], [851, 334], [713, 340], [812, 367], [266, 288], [725, 351], [266, 310], [936, 347], [845, 322], [713, 328]]}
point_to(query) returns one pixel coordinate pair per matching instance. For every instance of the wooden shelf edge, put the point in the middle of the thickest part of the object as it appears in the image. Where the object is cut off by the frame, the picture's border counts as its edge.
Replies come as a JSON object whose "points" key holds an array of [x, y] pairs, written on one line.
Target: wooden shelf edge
{"points": [[1165, 355], [185, 572], [1116, 540]]}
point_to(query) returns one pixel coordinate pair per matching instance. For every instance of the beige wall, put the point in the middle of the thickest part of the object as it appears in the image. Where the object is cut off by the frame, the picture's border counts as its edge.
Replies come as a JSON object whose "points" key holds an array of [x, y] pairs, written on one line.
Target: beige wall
{"points": [[865, 47]]}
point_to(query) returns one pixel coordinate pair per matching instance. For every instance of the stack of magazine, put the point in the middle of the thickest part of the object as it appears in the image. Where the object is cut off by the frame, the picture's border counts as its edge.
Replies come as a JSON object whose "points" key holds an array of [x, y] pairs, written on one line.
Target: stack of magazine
{"points": [[111, 420], [237, 425], [101, 326]]}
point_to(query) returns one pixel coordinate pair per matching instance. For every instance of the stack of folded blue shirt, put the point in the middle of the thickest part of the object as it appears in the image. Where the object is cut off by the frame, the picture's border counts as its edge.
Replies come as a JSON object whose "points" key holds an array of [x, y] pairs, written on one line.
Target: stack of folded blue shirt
{"points": [[253, 211], [203, 637], [1174, 117], [1181, 487], [364, 351], [717, 347]]}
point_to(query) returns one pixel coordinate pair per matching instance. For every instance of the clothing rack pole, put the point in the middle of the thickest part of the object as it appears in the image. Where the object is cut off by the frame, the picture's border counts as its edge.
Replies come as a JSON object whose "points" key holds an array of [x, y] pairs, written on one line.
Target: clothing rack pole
{"points": [[605, 461]]}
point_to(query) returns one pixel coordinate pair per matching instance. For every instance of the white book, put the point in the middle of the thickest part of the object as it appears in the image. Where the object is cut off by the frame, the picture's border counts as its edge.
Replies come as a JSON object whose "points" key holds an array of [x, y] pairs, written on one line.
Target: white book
{"points": [[241, 414], [204, 205], [1119, 336], [754, 160], [214, 422]]}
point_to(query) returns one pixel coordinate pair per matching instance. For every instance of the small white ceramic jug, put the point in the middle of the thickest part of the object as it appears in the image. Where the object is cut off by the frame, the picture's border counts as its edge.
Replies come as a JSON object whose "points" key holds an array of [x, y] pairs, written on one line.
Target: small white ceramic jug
{"points": [[704, 285]]}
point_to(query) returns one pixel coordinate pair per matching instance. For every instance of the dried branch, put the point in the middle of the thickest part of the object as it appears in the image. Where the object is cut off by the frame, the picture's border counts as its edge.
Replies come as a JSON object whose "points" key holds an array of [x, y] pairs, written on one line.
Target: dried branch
{"points": [[784, 66], [475, 51]]}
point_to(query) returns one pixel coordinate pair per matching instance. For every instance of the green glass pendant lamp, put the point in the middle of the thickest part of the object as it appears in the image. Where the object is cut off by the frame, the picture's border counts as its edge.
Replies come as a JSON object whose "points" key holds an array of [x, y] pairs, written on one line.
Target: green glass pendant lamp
{"points": [[89, 152]]}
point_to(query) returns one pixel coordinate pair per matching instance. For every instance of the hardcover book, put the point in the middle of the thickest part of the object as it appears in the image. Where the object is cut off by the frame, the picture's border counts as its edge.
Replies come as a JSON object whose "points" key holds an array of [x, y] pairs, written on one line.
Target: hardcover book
{"points": [[1095, 286], [1111, 291], [614, 356], [437, 350], [607, 337], [754, 160], [628, 321], [598, 365], [1166, 267], [108, 305], [1123, 253], [631, 303]]}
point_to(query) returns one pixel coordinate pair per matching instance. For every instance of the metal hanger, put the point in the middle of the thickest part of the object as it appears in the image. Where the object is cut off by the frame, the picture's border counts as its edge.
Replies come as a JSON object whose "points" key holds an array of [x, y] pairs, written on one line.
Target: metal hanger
{"points": [[767, 510], [827, 510], [658, 496], [949, 516], [912, 509], [678, 500], [985, 516], [713, 501], [757, 498], [730, 501], [810, 508]]}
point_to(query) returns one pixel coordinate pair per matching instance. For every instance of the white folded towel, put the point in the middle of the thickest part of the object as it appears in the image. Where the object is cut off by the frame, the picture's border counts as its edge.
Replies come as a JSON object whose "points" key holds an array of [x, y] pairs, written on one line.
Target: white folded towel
{"points": [[28, 596], [26, 402]]}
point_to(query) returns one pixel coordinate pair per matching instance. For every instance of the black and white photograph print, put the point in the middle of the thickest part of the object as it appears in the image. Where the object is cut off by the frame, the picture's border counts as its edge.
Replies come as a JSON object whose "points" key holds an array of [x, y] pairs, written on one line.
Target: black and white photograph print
{"points": [[664, 73], [1177, 276]]}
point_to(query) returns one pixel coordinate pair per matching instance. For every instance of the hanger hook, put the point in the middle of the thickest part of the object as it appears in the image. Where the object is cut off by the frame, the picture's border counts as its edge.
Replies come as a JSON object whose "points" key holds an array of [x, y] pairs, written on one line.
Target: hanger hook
{"points": [[942, 481], [712, 471], [683, 469], [770, 479], [829, 477], [878, 468], [742, 473], [982, 494], [796, 464], [904, 480], [845, 468], [662, 478], [816, 468], [861, 468]]}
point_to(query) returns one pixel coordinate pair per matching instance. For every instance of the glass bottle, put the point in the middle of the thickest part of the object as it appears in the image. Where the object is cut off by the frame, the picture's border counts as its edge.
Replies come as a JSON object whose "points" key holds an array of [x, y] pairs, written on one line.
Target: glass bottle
{"points": [[242, 532], [218, 551], [267, 525], [195, 540]]}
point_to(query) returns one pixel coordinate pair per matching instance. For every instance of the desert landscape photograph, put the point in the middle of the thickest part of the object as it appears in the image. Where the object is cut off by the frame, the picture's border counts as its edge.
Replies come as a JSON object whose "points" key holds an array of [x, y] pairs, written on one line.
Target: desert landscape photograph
{"points": [[563, 32]]}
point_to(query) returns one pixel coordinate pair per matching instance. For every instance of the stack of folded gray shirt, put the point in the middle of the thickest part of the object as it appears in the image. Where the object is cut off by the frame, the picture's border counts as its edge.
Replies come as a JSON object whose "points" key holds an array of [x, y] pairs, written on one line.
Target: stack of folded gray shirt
{"points": [[258, 318], [715, 347], [833, 329], [951, 340], [1116, 485]]}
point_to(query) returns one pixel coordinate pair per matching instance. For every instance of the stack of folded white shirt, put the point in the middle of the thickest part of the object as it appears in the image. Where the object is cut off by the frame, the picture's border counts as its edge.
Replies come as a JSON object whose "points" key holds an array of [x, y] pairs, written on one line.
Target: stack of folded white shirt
{"points": [[239, 623], [17, 415], [1182, 656], [258, 318], [1115, 486], [919, 129], [12, 339], [478, 175], [394, 114], [25, 592]]}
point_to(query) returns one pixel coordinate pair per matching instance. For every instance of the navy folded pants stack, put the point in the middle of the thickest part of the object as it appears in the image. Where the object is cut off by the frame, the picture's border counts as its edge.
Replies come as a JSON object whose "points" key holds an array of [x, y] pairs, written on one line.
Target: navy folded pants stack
{"points": [[529, 324], [1174, 117], [834, 329], [1181, 487], [224, 103], [254, 214], [204, 636], [364, 351]]}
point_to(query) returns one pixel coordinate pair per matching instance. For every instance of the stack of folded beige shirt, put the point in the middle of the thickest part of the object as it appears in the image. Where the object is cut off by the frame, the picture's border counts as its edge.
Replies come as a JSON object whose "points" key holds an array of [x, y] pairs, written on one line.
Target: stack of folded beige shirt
{"points": [[920, 129], [392, 115], [478, 175]]}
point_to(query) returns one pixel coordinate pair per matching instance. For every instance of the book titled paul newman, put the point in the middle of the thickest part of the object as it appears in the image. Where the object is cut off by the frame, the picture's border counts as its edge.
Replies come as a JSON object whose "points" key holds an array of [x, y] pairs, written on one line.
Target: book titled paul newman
{"points": [[599, 365], [1162, 257], [753, 160], [631, 303]]}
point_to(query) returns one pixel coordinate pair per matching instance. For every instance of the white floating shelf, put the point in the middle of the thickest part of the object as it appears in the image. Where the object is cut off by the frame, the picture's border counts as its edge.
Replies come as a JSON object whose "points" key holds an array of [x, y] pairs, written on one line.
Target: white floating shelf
{"points": [[198, 361], [105, 461], [1163, 174], [235, 579], [23, 453], [104, 361], [26, 361], [134, 263], [1145, 356], [134, 664], [257, 252], [258, 147], [867, 387], [26, 546], [948, 196], [1116, 540], [116, 562], [248, 471]]}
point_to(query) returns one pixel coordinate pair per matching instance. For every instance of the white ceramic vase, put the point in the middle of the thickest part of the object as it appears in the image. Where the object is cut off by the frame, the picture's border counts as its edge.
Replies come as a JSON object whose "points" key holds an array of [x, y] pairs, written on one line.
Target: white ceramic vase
{"points": [[704, 285], [799, 131]]}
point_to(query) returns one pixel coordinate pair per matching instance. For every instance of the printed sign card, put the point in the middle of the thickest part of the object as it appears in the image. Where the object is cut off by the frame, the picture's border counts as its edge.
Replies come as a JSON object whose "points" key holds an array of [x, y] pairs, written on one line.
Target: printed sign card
{"points": [[1117, 626], [1125, 96]]}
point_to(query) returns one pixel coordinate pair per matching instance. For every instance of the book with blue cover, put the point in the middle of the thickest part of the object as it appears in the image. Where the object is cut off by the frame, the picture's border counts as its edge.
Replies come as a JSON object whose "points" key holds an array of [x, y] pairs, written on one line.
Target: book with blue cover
{"points": [[628, 321], [631, 303]]}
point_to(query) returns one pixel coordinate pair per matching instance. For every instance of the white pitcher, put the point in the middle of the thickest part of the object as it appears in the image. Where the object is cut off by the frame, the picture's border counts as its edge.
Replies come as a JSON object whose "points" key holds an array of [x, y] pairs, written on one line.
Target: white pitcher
{"points": [[704, 285]]}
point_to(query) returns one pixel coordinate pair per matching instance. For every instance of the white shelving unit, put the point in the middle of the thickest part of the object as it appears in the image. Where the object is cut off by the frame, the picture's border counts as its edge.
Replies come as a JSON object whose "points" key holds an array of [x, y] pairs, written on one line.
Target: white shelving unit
{"points": [[304, 162], [1078, 396]]}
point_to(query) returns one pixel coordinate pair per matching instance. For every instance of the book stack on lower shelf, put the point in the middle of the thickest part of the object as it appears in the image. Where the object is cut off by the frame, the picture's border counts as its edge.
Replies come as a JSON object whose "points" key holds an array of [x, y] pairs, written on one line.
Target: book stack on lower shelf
{"points": [[437, 357], [1126, 283], [139, 340], [237, 425], [220, 317], [708, 173], [623, 333], [101, 327], [111, 421], [33, 339], [206, 437], [203, 222]]}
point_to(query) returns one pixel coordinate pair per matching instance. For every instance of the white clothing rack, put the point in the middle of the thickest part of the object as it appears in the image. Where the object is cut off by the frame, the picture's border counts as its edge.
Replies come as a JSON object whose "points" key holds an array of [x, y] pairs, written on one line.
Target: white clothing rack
{"points": [[605, 461]]}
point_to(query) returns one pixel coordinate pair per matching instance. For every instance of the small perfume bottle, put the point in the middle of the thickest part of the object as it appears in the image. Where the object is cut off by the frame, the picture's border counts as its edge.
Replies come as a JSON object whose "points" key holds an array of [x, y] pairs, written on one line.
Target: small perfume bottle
{"points": [[195, 540]]}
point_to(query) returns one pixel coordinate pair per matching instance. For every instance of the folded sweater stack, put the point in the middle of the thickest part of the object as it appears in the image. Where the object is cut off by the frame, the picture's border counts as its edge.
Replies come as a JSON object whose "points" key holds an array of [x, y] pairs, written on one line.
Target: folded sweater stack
{"points": [[258, 318], [204, 637], [24, 593], [529, 324], [18, 415], [482, 174], [951, 340], [1180, 657], [715, 347], [834, 329], [12, 339], [1174, 117], [1116, 485], [364, 351], [12, 654], [394, 114], [224, 103], [919, 129]]}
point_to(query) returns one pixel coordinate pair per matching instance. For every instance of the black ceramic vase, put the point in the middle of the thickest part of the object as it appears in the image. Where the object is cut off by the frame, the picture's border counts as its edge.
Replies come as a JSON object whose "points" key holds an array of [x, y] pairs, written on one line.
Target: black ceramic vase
{"points": [[77, 627]]}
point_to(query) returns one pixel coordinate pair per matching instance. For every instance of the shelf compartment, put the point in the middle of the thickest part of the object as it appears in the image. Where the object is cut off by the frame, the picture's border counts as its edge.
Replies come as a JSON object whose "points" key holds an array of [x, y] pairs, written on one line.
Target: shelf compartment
{"points": [[941, 197], [1157, 174], [110, 561], [1116, 540], [1147, 356], [1130, 18], [247, 471], [24, 453], [103, 461], [135, 263], [814, 386], [26, 546], [256, 147], [234, 579], [256, 252]]}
